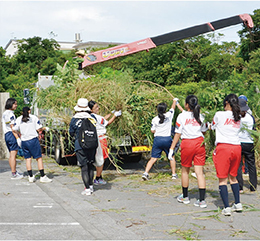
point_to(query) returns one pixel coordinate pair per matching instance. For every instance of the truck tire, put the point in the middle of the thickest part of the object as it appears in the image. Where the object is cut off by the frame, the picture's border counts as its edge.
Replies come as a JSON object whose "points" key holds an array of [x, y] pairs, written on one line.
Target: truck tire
{"points": [[133, 157], [57, 152], [71, 160]]}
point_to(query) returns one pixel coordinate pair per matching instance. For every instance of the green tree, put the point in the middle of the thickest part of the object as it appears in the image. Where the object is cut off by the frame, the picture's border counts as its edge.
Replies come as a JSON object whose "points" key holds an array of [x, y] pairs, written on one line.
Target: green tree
{"points": [[35, 55], [250, 39]]}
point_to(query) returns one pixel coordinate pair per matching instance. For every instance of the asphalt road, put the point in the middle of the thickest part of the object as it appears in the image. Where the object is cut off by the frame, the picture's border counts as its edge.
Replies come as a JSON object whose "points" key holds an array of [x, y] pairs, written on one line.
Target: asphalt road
{"points": [[126, 208]]}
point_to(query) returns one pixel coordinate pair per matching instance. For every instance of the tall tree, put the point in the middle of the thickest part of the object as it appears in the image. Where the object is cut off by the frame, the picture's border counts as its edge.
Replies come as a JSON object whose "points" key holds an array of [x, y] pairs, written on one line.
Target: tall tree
{"points": [[250, 39]]}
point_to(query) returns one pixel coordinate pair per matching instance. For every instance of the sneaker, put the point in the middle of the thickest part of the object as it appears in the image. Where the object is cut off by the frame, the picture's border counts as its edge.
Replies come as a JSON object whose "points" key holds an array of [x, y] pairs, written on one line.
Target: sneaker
{"points": [[201, 204], [193, 174], [17, 176], [185, 200], [145, 177], [45, 179], [32, 179], [241, 191], [86, 192], [226, 211], [91, 188], [237, 207], [100, 181], [174, 176]]}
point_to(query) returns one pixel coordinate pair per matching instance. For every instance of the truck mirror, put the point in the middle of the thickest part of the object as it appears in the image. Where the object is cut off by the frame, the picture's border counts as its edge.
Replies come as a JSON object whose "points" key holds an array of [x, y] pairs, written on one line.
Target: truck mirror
{"points": [[26, 97], [26, 92], [26, 100]]}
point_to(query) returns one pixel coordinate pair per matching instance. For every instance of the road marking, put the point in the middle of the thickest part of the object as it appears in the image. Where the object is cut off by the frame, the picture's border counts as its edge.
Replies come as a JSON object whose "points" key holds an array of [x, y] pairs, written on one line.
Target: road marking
{"points": [[42, 206], [39, 224]]}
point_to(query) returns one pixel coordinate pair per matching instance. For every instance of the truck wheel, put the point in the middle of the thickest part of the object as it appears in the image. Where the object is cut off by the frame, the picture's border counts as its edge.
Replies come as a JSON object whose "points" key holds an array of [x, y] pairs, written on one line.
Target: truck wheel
{"points": [[134, 157], [72, 160], [57, 153]]}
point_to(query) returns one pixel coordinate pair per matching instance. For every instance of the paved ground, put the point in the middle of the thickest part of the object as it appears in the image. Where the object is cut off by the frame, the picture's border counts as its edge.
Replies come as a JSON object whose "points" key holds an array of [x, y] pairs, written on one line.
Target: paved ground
{"points": [[127, 208]]}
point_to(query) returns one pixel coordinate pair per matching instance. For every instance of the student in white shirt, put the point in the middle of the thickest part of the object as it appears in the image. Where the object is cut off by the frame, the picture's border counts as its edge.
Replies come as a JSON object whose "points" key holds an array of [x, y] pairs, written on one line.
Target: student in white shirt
{"points": [[190, 129], [227, 154], [102, 150], [161, 128], [29, 125], [11, 138], [247, 145]]}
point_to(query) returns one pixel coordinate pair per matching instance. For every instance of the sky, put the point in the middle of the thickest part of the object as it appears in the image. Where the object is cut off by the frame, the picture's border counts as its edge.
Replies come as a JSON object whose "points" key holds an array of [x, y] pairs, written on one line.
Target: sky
{"points": [[113, 21]]}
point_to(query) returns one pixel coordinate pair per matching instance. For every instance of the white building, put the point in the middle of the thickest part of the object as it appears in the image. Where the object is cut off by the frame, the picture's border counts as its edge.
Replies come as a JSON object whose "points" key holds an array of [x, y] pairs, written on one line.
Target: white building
{"points": [[12, 46]]}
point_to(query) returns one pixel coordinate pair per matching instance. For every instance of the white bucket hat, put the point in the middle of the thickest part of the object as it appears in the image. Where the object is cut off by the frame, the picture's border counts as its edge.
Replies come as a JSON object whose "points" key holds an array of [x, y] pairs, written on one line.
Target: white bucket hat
{"points": [[82, 105], [81, 52]]}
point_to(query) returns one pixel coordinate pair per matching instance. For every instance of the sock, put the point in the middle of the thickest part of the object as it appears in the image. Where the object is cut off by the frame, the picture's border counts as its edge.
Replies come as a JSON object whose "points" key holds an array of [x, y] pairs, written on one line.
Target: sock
{"points": [[202, 192], [235, 190], [13, 173], [223, 191], [42, 173], [97, 178], [30, 173], [185, 191]]}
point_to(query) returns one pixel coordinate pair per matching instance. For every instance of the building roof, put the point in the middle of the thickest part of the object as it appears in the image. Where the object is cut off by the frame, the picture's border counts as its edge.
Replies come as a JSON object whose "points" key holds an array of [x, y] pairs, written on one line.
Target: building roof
{"points": [[11, 47]]}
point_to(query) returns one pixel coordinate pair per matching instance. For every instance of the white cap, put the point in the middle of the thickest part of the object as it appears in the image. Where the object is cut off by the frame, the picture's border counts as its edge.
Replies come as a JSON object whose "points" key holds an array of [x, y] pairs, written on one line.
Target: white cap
{"points": [[82, 105]]}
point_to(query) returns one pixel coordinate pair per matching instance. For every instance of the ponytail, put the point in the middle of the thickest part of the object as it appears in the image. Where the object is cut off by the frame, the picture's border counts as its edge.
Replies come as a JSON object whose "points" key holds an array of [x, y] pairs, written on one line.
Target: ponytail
{"points": [[161, 108], [25, 117], [232, 99], [192, 101]]}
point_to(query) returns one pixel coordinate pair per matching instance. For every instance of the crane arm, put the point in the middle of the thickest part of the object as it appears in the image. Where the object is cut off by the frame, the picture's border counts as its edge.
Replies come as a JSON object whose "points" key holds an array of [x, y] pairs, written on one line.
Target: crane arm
{"points": [[149, 43]]}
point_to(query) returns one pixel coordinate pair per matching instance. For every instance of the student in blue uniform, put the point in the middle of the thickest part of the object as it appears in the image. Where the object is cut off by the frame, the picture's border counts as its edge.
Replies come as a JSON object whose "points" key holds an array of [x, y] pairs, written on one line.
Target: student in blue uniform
{"points": [[161, 128], [11, 138], [29, 125]]}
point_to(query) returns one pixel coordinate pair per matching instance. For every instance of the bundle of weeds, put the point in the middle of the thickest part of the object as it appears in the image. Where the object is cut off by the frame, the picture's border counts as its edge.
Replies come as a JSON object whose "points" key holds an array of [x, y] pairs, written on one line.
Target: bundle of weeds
{"points": [[112, 90]]}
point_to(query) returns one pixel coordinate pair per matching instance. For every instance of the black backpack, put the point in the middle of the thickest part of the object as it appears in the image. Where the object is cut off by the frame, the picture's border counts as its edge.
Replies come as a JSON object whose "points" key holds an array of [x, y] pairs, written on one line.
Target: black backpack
{"points": [[87, 136]]}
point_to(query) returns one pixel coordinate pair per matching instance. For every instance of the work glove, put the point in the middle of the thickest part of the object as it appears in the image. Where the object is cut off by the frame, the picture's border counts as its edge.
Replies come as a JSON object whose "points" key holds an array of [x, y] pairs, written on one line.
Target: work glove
{"points": [[177, 100], [46, 128], [171, 153], [19, 142], [118, 113], [113, 111]]}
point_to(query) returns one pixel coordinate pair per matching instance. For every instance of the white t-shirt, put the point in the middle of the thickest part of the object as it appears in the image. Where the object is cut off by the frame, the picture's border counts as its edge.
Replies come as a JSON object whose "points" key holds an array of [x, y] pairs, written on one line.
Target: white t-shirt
{"points": [[246, 122], [163, 129], [188, 127], [101, 124], [28, 129], [226, 128], [8, 119]]}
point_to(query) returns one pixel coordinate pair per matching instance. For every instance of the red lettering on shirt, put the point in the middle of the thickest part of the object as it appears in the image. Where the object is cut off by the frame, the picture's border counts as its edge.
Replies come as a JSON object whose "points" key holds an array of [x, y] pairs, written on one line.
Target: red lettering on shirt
{"points": [[192, 122], [232, 122]]}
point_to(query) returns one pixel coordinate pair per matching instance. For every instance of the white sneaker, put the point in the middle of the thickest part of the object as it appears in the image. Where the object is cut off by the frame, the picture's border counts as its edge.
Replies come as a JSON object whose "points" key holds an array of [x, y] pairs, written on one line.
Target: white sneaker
{"points": [[201, 204], [145, 177], [181, 199], [174, 176], [86, 192], [32, 179], [193, 174], [17, 176], [226, 211], [237, 207], [91, 188], [45, 179]]}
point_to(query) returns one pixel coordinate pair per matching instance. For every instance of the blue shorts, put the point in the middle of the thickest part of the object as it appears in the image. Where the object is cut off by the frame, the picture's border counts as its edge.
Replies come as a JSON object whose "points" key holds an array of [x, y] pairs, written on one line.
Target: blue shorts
{"points": [[11, 142], [161, 143], [32, 148]]}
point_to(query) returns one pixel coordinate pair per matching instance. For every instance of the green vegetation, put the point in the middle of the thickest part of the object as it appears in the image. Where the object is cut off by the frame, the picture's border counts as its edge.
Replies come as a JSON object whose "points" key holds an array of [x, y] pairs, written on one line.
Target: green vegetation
{"points": [[138, 82]]}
